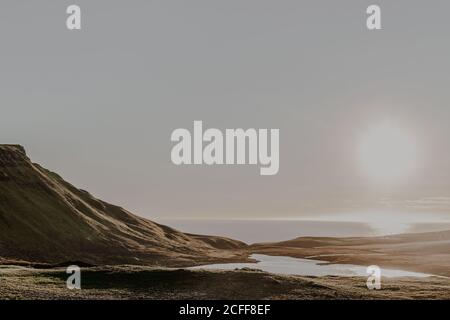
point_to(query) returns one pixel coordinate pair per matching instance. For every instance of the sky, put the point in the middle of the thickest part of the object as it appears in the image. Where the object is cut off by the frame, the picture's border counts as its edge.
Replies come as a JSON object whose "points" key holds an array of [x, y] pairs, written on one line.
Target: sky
{"points": [[98, 105]]}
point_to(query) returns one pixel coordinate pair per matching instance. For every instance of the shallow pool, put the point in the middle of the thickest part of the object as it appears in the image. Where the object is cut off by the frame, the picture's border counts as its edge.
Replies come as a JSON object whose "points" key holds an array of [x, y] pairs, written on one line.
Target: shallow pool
{"points": [[306, 267]]}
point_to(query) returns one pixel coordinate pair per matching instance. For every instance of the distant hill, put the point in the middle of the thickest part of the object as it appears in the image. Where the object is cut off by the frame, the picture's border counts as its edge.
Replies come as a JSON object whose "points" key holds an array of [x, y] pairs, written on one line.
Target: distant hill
{"points": [[395, 239], [44, 219], [422, 252]]}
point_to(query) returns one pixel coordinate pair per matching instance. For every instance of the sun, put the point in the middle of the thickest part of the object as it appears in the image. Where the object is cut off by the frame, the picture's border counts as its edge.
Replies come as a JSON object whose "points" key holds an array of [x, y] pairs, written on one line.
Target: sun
{"points": [[387, 154]]}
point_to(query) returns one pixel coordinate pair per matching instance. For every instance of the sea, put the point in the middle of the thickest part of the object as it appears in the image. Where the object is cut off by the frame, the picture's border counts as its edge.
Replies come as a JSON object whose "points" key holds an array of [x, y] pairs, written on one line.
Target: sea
{"points": [[257, 231]]}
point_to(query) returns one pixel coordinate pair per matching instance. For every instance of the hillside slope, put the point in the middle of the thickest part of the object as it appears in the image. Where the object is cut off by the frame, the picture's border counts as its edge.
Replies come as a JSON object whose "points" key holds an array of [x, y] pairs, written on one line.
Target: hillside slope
{"points": [[44, 219]]}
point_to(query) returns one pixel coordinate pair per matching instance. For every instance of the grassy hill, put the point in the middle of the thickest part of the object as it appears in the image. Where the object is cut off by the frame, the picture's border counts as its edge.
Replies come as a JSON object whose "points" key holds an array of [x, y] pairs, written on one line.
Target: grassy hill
{"points": [[44, 219]]}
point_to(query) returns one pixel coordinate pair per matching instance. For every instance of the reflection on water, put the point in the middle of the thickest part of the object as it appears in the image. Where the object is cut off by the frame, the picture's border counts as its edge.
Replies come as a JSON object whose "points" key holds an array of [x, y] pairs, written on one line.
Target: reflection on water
{"points": [[306, 267]]}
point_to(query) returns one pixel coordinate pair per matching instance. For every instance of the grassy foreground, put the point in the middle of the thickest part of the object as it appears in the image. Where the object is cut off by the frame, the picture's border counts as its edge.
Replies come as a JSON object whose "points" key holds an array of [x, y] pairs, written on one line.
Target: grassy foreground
{"points": [[131, 282]]}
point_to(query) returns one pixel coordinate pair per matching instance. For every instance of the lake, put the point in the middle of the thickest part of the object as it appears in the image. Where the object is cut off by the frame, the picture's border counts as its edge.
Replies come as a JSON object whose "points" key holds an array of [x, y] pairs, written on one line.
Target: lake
{"points": [[306, 267]]}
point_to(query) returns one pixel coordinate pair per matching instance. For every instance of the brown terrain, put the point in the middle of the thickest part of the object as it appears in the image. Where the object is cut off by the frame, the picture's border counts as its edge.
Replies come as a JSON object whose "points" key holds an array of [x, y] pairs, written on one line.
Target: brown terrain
{"points": [[47, 224], [420, 252]]}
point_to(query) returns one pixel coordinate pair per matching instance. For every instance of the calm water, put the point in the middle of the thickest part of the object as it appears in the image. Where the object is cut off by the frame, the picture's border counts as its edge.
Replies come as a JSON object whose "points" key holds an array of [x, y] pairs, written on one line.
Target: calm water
{"points": [[252, 231], [306, 267]]}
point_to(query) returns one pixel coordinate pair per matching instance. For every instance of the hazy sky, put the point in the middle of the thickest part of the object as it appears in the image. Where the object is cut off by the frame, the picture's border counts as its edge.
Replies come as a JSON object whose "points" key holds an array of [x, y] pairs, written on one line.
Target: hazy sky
{"points": [[98, 105]]}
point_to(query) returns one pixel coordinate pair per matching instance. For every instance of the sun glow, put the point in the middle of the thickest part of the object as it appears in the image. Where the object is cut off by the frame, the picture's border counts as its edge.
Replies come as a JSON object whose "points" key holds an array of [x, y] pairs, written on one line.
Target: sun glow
{"points": [[387, 154]]}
